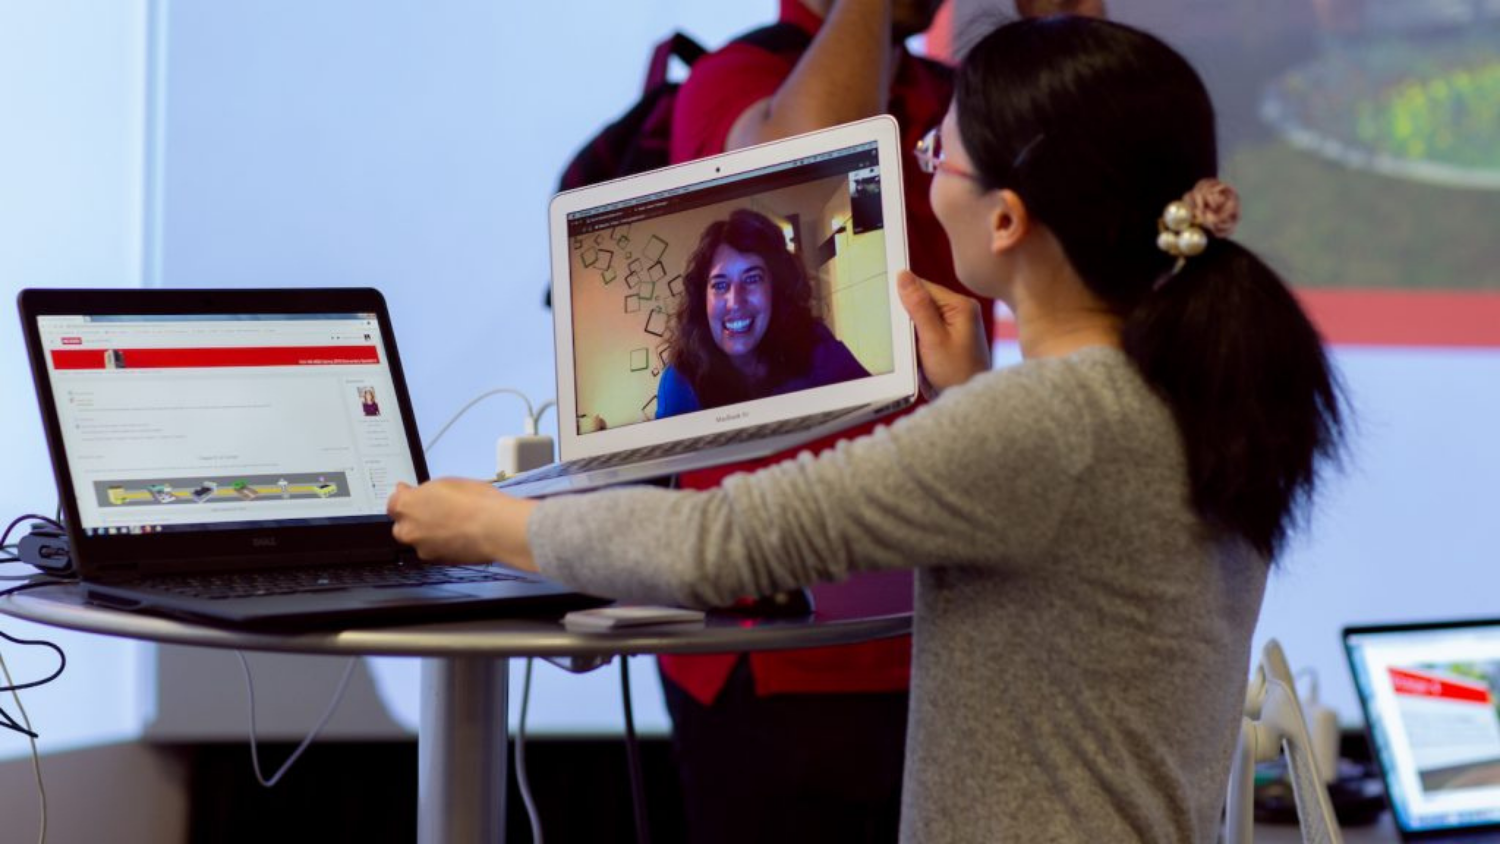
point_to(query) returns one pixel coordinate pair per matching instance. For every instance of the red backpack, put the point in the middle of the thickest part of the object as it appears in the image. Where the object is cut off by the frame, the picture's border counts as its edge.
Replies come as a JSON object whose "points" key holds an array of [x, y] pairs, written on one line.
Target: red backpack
{"points": [[639, 140]]}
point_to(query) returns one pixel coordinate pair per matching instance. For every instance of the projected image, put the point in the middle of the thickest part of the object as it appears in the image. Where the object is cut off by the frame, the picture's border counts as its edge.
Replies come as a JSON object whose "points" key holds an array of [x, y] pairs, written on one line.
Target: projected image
{"points": [[1391, 126], [1364, 137], [1452, 726], [802, 302]]}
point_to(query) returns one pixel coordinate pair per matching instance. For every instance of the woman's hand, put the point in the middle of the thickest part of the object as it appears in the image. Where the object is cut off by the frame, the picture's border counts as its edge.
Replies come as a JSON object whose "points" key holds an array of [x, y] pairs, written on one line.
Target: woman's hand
{"points": [[950, 332], [461, 521]]}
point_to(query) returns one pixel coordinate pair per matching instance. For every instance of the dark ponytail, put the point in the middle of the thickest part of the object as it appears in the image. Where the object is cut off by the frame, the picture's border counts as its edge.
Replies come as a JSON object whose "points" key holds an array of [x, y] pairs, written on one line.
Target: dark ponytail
{"points": [[1258, 405], [1097, 127]]}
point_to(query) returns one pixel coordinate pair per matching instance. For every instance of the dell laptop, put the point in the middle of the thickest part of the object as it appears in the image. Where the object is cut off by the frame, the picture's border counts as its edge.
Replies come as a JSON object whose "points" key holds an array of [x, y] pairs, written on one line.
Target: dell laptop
{"points": [[225, 456], [1431, 699], [622, 265]]}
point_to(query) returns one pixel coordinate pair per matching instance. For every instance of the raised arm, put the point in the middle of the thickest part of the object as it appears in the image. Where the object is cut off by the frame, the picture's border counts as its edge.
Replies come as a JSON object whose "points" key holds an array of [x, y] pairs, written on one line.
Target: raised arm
{"points": [[846, 72], [844, 75]]}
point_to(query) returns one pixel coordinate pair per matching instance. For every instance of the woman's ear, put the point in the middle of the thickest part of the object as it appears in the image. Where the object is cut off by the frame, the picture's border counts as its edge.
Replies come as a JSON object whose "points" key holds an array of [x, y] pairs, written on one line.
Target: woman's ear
{"points": [[1009, 222]]}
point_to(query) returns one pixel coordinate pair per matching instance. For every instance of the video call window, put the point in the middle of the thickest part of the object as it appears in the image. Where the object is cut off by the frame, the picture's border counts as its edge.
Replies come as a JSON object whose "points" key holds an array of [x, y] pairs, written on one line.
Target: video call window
{"points": [[802, 302]]}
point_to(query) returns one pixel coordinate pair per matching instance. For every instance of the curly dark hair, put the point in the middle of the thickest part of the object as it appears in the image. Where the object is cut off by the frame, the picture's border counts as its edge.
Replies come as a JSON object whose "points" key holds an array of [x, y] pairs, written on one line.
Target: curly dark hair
{"points": [[787, 346]]}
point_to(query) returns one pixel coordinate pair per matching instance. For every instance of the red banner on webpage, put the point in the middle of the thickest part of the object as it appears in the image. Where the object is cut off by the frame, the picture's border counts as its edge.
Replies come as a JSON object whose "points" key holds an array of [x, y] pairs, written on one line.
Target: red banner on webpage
{"points": [[1407, 682], [215, 357]]}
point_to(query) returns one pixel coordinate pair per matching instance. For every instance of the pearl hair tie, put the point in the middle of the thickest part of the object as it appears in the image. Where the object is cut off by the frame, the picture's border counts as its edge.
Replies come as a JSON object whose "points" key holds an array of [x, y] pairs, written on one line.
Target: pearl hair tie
{"points": [[1211, 207]]}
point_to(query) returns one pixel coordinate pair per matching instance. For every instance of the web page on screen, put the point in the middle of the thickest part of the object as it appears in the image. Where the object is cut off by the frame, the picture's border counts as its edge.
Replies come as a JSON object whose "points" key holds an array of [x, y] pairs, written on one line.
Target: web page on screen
{"points": [[1433, 710], [225, 421]]}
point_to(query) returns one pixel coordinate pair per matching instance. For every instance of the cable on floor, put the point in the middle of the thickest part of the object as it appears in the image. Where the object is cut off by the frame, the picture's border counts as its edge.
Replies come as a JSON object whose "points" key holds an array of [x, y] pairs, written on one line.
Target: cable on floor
{"points": [[522, 781], [338, 695]]}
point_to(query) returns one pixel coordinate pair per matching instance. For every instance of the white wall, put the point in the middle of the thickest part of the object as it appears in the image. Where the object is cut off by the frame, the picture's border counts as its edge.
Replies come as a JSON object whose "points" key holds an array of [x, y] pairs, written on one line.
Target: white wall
{"points": [[72, 81], [408, 146], [72, 87], [1409, 532]]}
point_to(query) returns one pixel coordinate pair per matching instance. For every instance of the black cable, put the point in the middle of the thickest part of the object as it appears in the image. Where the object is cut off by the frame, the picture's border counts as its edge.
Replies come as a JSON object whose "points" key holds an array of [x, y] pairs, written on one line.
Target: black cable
{"points": [[62, 662], [633, 755], [10, 723], [6, 720], [5, 537], [32, 582]]}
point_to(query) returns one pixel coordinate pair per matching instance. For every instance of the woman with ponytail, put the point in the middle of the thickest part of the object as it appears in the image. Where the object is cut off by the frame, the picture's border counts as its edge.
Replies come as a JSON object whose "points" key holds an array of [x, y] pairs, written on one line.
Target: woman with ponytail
{"points": [[1092, 528]]}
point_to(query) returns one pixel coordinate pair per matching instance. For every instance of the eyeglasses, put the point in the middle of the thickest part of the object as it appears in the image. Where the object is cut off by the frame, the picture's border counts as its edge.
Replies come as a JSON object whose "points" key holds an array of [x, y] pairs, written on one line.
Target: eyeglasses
{"points": [[929, 153]]}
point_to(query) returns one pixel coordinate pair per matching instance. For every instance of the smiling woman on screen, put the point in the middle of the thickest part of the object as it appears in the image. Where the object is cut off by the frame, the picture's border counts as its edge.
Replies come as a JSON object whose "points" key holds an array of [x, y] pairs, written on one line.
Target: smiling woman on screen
{"points": [[744, 327]]}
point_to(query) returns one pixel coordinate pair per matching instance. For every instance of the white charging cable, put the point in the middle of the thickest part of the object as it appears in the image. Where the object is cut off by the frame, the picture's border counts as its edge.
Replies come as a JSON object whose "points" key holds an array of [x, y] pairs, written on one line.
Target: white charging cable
{"points": [[514, 454], [530, 421], [333, 704], [523, 782], [536, 418], [533, 418]]}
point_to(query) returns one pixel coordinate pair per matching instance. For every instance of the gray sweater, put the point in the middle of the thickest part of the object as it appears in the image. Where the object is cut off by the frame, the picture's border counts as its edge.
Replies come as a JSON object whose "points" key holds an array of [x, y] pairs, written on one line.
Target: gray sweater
{"points": [[1082, 639]]}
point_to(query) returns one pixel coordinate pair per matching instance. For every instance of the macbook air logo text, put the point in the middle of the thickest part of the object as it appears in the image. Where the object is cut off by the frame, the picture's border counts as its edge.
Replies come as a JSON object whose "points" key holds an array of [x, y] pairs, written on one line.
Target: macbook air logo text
{"points": [[263, 541], [730, 417]]}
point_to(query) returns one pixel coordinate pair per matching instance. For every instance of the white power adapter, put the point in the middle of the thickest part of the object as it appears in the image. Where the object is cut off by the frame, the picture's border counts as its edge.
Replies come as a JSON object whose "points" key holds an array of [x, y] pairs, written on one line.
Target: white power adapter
{"points": [[518, 454]]}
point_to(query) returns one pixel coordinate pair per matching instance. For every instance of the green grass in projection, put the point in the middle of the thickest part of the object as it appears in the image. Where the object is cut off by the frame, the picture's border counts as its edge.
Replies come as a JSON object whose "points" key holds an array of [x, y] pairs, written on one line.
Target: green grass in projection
{"points": [[1386, 173]]}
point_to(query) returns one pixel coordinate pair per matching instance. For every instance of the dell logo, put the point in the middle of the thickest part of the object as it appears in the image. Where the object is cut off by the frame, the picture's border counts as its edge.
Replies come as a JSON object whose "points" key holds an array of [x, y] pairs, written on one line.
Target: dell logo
{"points": [[263, 541]]}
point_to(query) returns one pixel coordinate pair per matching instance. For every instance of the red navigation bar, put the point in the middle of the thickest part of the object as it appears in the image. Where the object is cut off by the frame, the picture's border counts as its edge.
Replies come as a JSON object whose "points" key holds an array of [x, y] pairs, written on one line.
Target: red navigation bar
{"points": [[214, 357], [1419, 684]]}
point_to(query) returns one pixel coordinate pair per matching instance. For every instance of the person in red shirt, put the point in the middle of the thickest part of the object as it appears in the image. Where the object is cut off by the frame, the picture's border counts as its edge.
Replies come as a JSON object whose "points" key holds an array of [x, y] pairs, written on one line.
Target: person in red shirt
{"points": [[808, 745]]}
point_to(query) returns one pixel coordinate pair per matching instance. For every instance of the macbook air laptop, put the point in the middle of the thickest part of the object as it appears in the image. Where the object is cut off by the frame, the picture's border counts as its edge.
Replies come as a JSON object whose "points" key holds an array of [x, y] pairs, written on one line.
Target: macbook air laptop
{"points": [[622, 268], [226, 456], [1429, 693]]}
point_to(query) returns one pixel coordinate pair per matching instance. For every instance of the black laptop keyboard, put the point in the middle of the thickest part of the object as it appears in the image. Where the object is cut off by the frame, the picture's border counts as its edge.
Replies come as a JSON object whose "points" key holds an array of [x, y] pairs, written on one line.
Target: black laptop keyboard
{"points": [[672, 449], [325, 579]]}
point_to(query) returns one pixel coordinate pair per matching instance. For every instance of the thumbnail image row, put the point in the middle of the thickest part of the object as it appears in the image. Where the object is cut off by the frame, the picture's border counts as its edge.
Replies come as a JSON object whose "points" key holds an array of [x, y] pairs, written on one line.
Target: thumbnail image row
{"points": [[237, 489]]}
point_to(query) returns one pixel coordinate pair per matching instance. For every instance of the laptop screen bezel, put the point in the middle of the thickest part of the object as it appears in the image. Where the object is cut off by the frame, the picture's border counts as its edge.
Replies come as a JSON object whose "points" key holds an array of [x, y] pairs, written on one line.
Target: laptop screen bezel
{"points": [[122, 556], [901, 382], [1377, 749]]}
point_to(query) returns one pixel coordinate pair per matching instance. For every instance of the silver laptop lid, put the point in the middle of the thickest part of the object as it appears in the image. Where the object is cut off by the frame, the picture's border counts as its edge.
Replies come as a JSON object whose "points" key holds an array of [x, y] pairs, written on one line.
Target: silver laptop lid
{"points": [[621, 254]]}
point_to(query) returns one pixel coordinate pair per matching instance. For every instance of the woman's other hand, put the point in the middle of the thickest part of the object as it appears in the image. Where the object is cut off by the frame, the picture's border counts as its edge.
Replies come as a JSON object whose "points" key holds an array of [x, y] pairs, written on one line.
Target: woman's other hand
{"points": [[950, 333], [462, 521]]}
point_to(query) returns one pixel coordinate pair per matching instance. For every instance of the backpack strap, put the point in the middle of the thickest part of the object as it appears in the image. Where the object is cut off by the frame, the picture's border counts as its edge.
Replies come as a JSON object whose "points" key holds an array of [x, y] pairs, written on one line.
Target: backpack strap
{"points": [[677, 44], [779, 38], [776, 38]]}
